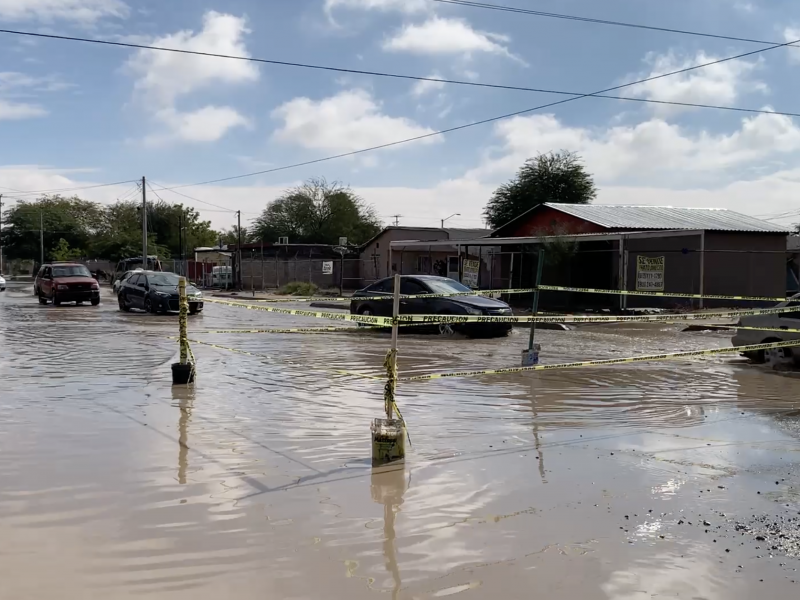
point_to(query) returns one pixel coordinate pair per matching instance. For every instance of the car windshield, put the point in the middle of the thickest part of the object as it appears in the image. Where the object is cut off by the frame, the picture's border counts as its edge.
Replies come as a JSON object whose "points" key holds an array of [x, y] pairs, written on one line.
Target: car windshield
{"points": [[445, 286], [72, 271], [162, 279]]}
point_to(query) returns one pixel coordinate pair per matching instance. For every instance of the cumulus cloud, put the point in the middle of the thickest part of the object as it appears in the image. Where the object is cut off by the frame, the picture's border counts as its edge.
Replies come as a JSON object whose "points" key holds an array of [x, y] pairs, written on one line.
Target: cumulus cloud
{"points": [[446, 36], [653, 149], [78, 11], [350, 120], [720, 83], [792, 34], [404, 6], [164, 77], [422, 88], [14, 111]]}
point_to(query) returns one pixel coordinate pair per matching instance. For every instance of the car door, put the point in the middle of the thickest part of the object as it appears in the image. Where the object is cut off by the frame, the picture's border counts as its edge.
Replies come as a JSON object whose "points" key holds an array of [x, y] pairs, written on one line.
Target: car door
{"points": [[46, 284], [134, 292], [414, 306]]}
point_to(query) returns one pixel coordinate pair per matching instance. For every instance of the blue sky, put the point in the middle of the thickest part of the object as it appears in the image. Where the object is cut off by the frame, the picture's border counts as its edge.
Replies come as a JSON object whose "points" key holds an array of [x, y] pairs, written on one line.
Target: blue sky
{"points": [[76, 114]]}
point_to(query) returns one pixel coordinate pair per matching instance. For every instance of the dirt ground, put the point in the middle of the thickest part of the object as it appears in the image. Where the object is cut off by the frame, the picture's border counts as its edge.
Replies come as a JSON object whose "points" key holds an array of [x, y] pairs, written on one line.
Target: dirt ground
{"points": [[660, 480]]}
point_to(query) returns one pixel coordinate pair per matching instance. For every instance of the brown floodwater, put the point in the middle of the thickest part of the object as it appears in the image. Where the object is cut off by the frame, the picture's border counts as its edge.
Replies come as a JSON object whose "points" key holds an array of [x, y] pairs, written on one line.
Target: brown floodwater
{"points": [[673, 479]]}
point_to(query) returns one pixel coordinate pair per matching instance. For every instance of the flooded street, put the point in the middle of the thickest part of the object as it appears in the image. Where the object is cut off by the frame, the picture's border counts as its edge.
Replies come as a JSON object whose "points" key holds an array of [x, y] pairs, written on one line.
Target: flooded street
{"points": [[676, 479]]}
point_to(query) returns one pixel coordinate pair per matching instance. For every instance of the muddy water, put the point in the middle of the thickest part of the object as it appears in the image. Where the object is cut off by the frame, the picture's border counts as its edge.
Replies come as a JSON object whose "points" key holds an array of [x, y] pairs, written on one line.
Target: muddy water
{"points": [[672, 479]]}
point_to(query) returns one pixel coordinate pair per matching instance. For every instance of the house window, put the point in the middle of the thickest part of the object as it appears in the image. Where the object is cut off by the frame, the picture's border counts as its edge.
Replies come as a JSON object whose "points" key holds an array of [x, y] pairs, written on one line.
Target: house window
{"points": [[424, 264]]}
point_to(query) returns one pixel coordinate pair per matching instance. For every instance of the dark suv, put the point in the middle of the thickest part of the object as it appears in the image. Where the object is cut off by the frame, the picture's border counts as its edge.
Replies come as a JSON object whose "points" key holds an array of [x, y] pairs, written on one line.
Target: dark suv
{"points": [[66, 282], [156, 291]]}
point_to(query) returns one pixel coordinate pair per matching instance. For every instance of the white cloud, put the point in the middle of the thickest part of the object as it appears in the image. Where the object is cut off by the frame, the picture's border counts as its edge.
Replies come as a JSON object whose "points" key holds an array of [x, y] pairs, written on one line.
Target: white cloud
{"points": [[207, 124], [653, 149], [165, 77], [720, 83], [447, 36], [14, 111], [792, 34], [79, 11], [421, 88], [404, 6], [350, 120]]}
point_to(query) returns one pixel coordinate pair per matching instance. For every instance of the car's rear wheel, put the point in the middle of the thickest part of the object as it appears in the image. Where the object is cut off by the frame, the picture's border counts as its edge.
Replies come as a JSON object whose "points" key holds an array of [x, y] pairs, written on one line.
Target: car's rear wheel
{"points": [[123, 303]]}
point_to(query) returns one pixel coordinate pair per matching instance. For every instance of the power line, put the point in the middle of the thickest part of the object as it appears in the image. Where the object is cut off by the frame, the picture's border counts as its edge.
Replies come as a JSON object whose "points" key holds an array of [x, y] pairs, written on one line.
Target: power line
{"points": [[406, 77], [162, 188], [538, 13], [75, 189], [491, 119]]}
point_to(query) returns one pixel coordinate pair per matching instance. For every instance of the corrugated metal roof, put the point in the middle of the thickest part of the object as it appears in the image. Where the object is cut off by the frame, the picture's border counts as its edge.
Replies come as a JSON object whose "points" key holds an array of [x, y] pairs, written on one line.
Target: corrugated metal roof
{"points": [[666, 217], [466, 234]]}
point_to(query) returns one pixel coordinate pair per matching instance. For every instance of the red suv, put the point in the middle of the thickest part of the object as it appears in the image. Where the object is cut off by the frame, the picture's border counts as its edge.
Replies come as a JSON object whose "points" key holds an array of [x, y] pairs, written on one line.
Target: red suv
{"points": [[66, 282]]}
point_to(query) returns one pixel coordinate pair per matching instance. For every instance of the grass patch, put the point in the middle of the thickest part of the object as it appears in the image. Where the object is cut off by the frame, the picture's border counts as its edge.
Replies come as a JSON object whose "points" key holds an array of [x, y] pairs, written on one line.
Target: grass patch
{"points": [[298, 288]]}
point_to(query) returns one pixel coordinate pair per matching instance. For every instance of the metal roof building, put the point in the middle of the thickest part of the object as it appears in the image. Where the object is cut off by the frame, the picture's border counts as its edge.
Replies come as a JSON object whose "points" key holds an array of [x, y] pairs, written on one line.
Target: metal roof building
{"points": [[704, 251]]}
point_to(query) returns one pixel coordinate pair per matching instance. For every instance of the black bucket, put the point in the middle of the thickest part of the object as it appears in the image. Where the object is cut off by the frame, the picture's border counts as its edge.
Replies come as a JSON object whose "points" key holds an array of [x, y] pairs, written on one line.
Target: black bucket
{"points": [[182, 374]]}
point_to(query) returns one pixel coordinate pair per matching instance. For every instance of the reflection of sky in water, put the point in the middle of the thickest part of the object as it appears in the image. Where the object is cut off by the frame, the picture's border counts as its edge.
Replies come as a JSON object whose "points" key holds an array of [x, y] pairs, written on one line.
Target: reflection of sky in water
{"points": [[667, 575]]}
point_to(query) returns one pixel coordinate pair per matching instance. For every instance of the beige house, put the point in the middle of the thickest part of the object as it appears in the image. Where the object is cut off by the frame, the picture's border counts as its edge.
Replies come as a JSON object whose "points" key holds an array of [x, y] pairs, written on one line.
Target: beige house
{"points": [[378, 261]]}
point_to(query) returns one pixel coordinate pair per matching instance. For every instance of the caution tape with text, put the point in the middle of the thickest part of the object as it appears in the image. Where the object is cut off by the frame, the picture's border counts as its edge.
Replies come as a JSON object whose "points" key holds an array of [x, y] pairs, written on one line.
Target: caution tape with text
{"points": [[457, 319], [608, 361], [555, 288]]}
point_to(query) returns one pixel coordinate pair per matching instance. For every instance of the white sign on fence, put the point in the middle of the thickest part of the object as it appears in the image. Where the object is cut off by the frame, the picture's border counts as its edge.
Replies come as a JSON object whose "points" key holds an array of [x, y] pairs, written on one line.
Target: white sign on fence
{"points": [[649, 274], [469, 272], [327, 267]]}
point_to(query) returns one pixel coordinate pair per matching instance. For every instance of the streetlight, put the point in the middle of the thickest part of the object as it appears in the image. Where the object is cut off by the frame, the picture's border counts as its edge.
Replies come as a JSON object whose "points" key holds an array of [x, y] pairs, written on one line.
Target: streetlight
{"points": [[450, 217]]}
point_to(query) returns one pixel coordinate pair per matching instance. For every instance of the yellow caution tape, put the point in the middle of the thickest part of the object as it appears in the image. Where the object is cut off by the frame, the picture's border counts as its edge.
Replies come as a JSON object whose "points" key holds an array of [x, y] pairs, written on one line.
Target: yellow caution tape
{"points": [[555, 288], [456, 319], [741, 327], [370, 320], [391, 297], [294, 330], [608, 361]]}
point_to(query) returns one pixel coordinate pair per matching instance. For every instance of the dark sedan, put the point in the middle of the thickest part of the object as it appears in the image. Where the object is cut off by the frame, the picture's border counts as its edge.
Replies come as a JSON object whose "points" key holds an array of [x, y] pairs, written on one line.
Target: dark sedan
{"points": [[156, 291], [420, 285]]}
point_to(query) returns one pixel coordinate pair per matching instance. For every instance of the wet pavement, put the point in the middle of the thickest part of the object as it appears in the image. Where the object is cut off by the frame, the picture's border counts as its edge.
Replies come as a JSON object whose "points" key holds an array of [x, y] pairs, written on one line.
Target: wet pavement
{"points": [[675, 479]]}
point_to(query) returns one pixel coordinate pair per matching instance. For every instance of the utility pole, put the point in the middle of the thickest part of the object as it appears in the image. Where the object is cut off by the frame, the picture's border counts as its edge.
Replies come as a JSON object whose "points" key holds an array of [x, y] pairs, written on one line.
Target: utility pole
{"points": [[239, 249], [41, 237], [144, 224], [396, 219]]}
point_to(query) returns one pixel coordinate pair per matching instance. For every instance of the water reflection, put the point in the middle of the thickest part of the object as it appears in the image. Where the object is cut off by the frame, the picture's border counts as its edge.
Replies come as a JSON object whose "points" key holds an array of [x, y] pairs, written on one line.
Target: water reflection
{"points": [[183, 396], [388, 486]]}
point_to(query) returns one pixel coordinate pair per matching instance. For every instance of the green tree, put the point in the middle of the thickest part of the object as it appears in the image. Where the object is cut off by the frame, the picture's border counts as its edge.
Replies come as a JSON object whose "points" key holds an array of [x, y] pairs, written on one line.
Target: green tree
{"points": [[552, 177], [230, 237], [74, 220], [62, 252], [317, 212]]}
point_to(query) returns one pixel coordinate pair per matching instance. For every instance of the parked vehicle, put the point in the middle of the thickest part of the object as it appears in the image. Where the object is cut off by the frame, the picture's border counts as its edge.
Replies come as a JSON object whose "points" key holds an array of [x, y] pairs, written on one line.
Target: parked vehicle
{"points": [[787, 320], [156, 291], [115, 287], [135, 264], [222, 277], [428, 284], [66, 282], [2, 284]]}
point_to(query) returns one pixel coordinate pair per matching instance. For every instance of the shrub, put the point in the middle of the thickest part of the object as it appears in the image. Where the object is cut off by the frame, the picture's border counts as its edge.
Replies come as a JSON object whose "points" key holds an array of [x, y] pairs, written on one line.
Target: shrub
{"points": [[298, 288]]}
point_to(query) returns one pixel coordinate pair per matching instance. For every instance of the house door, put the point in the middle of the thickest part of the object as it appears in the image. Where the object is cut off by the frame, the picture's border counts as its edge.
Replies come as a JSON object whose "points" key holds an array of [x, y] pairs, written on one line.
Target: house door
{"points": [[452, 267]]}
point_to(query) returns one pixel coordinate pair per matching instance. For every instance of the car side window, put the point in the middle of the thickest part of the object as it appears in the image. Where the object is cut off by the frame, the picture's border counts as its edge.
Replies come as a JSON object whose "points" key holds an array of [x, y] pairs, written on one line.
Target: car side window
{"points": [[142, 281], [386, 286], [133, 279], [48, 273], [411, 288]]}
